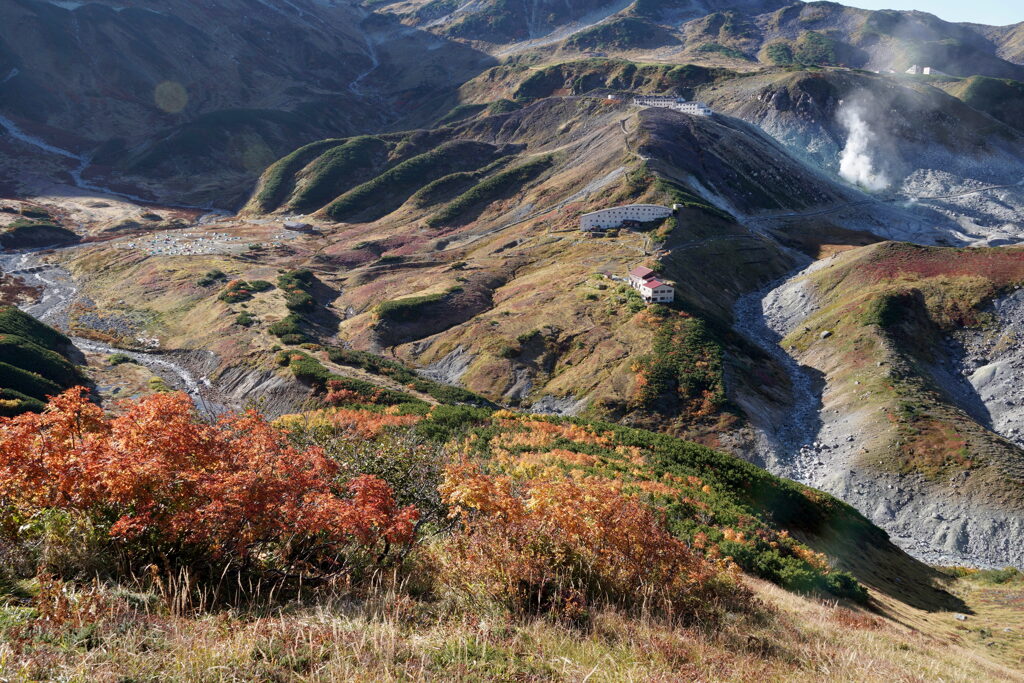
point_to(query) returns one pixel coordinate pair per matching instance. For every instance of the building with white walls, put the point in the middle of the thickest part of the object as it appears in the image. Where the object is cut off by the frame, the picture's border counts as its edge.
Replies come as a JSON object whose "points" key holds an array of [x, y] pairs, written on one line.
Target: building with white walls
{"points": [[674, 103], [916, 70], [615, 217], [655, 291], [650, 286]]}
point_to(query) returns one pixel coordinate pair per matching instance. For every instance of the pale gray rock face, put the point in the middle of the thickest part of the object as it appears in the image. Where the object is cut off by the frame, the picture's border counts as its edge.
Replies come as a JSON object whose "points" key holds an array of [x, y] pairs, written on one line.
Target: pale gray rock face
{"points": [[992, 361], [451, 368], [817, 444]]}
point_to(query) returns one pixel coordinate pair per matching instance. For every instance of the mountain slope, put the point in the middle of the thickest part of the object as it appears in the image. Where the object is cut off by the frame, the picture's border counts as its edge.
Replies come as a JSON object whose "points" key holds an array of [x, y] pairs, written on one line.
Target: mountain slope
{"points": [[198, 97], [525, 263], [35, 363], [735, 33]]}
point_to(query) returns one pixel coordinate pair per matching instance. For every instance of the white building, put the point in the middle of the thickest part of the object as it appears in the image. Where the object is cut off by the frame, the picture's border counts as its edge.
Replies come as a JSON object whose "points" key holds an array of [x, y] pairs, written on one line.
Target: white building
{"points": [[916, 70], [656, 291], [651, 288], [694, 108], [617, 215], [674, 103]]}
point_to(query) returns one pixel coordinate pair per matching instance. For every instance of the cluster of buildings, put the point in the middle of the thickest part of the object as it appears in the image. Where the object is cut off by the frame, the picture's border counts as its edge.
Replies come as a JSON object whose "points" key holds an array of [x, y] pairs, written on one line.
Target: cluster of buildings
{"points": [[193, 243], [673, 103], [650, 285]]}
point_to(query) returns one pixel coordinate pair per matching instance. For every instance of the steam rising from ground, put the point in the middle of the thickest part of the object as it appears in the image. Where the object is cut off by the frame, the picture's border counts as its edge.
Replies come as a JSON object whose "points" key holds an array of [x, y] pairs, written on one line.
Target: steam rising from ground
{"points": [[857, 163]]}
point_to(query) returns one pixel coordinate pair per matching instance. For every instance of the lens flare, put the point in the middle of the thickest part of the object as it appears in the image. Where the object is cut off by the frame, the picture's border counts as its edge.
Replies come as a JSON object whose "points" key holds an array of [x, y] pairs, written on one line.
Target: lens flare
{"points": [[171, 97]]}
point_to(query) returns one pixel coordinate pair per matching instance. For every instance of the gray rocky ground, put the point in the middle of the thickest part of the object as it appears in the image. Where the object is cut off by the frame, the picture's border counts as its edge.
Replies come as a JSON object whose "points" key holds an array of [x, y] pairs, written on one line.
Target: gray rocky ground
{"points": [[816, 443]]}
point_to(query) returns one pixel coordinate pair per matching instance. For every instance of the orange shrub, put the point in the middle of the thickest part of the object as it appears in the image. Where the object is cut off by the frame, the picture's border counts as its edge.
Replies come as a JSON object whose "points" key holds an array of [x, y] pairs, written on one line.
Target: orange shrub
{"points": [[561, 544], [362, 424], [157, 474]]}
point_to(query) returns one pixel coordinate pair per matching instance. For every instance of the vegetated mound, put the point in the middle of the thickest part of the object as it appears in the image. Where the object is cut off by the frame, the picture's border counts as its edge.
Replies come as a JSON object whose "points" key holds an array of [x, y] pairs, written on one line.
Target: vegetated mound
{"points": [[624, 33], [411, 318], [467, 206], [1001, 98], [34, 362], [367, 177], [389, 190], [880, 331], [26, 233], [730, 33]]}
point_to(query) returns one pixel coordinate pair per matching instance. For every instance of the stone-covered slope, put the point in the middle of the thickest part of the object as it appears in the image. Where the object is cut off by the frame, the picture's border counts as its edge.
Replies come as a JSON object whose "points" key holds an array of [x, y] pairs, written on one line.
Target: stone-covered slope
{"points": [[901, 432]]}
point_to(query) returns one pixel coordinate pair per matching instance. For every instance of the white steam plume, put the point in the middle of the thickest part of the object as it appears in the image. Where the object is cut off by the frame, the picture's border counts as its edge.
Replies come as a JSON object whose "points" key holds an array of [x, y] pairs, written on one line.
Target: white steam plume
{"points": [[855, 163]]}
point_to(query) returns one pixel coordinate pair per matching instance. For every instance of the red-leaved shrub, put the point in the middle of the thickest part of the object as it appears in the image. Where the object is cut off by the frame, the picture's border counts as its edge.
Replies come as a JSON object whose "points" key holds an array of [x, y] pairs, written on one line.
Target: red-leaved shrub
{"points": [[158, 474]]}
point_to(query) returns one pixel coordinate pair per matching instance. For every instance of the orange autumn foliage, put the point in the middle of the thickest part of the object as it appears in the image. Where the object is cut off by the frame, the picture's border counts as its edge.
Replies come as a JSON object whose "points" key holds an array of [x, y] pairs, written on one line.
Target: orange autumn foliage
{"points": [[159, 472], [363, 424], [561, 544]]}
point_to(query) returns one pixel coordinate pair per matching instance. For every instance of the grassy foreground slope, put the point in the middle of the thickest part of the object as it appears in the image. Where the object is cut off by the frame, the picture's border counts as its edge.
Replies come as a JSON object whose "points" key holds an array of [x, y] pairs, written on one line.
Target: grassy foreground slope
{"points": [[543, 549]]}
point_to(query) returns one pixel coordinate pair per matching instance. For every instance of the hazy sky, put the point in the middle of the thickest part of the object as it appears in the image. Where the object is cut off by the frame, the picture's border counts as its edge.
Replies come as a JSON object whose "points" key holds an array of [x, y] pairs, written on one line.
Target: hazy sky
{"points": [[994, 12]]}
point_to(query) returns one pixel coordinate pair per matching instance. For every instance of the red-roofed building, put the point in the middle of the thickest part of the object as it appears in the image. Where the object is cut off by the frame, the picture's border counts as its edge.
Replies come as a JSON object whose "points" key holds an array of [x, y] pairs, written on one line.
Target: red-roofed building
{"points": [[652, 289], [639, 275]]}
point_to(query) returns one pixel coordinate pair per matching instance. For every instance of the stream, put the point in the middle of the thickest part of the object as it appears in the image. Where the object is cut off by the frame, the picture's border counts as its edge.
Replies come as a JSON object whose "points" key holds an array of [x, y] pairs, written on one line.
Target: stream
{"points": [[59, 291], [83, 160]]}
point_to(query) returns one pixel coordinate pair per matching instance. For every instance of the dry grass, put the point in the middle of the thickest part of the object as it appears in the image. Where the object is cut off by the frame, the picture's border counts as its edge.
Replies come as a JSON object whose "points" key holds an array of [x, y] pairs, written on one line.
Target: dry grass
{"points": [[393, 637]]}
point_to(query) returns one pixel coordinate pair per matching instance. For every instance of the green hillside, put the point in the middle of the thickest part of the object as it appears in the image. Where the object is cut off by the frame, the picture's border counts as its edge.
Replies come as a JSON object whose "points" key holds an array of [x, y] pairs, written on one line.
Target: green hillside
{"points": [[34, 363]]}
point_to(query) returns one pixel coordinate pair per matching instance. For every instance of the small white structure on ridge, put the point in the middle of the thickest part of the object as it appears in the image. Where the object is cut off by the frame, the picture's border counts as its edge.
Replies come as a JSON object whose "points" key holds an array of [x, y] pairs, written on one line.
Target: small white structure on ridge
{"points": [[916, 70], [614, 217]]}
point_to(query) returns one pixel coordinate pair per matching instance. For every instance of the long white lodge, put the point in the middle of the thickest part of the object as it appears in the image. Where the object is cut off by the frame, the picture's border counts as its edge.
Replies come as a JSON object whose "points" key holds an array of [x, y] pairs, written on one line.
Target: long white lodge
{"points": [[614, 217]]}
